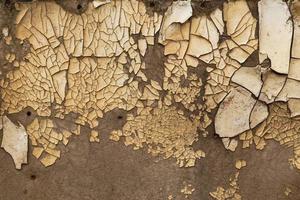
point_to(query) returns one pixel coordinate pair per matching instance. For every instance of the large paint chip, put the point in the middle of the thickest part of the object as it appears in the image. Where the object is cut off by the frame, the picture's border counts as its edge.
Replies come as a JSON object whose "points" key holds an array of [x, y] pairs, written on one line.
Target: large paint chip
{"points": [[15, 142], [275, 34], [233, 114]]}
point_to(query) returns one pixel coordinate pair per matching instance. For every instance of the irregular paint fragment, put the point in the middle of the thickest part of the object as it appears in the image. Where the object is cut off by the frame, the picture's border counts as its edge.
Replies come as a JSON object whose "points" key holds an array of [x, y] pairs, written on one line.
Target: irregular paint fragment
{"points": [[94, 136], [178, 12], [239, 164], [233, 115], [287, 191], [48, 160], [273, 84], [98, 3], [187, 189], [115, 135], [275, 34], [37, 152], [15, 142], [230, 144]]}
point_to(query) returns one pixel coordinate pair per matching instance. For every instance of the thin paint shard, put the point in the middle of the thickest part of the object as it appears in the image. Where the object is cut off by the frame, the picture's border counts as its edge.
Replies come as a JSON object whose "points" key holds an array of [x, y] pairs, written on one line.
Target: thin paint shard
{"points": [[15, 142], [98, 3], [217, 18], [275, 34], [230, 144], [178, 12]]}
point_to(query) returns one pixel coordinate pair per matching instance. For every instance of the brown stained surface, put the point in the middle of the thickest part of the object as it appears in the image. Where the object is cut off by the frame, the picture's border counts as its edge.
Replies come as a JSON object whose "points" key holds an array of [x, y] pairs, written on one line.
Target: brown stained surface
{"points": [[112, 171], [109, 170]]}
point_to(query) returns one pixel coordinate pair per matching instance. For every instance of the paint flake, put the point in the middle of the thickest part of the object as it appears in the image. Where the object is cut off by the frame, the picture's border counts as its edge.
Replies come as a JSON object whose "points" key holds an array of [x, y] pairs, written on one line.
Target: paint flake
{"points": [[15, 142], [233, 114], [275, 24]]}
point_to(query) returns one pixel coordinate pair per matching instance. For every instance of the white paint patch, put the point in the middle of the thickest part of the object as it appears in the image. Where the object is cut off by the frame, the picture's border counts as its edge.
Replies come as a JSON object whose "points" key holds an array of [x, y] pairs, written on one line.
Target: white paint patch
{"points": [[15, 142], [275, 34], [233, 114]]}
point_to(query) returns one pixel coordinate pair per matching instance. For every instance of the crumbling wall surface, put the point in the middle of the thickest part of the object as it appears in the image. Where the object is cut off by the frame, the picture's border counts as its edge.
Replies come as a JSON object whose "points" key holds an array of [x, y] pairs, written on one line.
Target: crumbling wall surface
{"points": [[128, 99]]}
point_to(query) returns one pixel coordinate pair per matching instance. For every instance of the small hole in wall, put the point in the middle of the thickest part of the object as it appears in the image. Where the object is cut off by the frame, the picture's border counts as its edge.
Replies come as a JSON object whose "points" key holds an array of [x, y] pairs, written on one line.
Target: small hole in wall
{"points": [[79, 7], [120, 117], [28, 113], [33, 177], [152, 4]]}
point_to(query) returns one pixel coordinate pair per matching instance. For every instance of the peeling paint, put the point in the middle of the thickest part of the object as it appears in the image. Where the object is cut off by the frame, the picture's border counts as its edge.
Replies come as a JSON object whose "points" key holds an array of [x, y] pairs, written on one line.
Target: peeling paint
{"points": [[15, 142]]}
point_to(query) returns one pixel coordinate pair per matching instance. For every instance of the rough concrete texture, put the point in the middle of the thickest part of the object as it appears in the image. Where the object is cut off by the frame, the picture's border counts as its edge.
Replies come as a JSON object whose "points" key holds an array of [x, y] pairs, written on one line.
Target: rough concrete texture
{"points": [[110, 170]]}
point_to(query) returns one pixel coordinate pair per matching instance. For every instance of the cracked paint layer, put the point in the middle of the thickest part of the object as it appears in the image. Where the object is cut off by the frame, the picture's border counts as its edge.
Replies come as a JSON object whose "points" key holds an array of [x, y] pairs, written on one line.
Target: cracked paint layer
{"points": [[90, 64], [165, 132]]}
